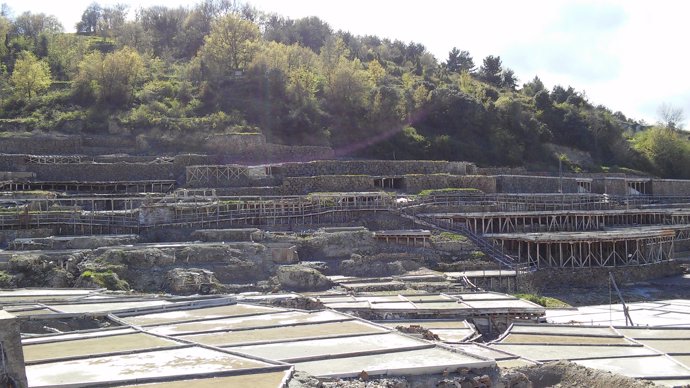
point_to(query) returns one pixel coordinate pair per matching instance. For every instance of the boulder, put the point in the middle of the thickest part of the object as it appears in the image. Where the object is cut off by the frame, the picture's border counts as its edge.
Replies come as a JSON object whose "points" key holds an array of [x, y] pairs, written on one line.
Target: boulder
{"points": [[186, 281], [301, 278]]}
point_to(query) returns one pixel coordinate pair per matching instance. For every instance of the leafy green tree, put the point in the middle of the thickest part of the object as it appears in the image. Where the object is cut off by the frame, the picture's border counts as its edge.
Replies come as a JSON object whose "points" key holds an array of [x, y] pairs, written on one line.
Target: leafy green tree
{"points": [[508, 79], [88, 25], [164, 27], [230, 46], [533, 87], [65, 51], [459, 61], [5, 26], [311, 32], [30, 76], [668, 152], [33, 24], [491, 70], [110, 78]]}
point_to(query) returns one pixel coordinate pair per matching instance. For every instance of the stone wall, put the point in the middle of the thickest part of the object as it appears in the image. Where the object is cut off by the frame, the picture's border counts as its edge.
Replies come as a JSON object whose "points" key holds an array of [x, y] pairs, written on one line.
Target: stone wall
{"points": [[223, 235], [609, 185], [416, 183], [44, 145], [504, 171], [599, 277], [371, 167], [272, 153], [91, 172], [486, 184], [670, 187], [12, 162], [326, 183], [233, 142], [534, 184], [10, 234]]}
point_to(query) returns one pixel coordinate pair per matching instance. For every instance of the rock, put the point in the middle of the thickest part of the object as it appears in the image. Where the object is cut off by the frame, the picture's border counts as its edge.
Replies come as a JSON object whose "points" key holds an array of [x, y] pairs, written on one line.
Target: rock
{"points": [[104, 279], [186, 281], [7, 280], [301, 278], [379, 265], [320, 266], [304, 380], [337, 245], [299, 302], [283, 253]]}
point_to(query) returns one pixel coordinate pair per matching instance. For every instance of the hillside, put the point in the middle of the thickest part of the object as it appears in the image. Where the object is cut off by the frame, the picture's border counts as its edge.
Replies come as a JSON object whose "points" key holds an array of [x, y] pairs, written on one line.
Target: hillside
{"points": [[183, 74]]}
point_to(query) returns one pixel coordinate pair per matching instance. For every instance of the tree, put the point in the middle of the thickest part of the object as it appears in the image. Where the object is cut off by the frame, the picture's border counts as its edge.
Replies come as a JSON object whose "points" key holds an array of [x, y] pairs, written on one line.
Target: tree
{"points": [[670, 116], [30, 76], [533, 87], [33, 24], [112, 20], [459, 61], [490, 71], [109, 78], [508, 79], [164, 27], [230, 46], [668, 151], [311, 32], [88, 24]]}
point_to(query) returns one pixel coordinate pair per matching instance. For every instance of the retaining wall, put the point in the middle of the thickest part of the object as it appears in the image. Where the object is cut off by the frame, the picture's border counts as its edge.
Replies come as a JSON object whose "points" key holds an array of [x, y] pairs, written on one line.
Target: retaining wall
{"points": [[670, 187], [372, 167], [416, 183], [326, 183], [233, 142], [599, 277], [90, 172], [486, 184], [62, 145], [534, 184], [610, 186]]}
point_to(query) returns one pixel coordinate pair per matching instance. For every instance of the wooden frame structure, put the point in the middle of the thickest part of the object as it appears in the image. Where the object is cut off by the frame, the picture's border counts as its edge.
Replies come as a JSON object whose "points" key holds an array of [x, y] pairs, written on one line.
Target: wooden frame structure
{"points": [[561, 221], [389, 182], [412, 238], [149, 186], [618, 248], [215, 173], [53, 159]]}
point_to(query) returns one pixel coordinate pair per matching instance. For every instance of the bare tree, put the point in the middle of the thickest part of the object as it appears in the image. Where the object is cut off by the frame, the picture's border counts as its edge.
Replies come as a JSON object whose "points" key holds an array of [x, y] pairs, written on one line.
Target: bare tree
{"points": [[670, 116]]}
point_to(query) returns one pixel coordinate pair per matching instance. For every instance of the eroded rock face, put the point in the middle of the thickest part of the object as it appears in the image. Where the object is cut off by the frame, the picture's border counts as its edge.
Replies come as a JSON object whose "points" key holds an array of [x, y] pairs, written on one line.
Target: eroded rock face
{"points": [[379, 265], [34, 270], [301, 278], [323, 245], [187, 281], [146, 269]]}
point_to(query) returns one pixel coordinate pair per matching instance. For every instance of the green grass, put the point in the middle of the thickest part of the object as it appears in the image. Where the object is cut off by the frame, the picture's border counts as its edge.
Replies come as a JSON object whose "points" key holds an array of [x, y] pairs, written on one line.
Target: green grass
{"points": [[477, 255], [545, 301], [5, 279], [448, 236], [107, 279]]}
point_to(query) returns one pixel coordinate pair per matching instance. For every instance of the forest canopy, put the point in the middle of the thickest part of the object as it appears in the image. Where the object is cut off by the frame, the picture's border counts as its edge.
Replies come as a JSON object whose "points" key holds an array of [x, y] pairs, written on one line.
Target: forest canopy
{"points": [[220, 66]]}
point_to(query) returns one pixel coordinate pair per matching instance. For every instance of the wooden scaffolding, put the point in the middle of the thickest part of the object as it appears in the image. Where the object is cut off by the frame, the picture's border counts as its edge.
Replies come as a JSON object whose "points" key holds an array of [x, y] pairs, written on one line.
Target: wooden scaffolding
{"points": [[618, 248]]}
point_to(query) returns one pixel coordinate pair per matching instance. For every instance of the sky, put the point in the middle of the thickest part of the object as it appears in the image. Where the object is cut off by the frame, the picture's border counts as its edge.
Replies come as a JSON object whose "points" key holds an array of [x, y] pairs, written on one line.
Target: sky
{"points": [[628, 55]]}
